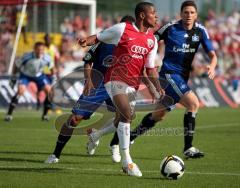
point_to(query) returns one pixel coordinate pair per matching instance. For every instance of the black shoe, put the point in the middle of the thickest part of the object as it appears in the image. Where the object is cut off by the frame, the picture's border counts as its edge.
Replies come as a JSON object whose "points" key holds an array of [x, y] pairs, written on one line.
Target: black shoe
{"points": [[193, 153]]}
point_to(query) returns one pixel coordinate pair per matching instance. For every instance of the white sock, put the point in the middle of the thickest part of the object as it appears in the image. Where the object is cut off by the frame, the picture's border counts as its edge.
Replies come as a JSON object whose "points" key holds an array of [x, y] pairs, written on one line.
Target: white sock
{"points": [[123, 131], [108, 128]]}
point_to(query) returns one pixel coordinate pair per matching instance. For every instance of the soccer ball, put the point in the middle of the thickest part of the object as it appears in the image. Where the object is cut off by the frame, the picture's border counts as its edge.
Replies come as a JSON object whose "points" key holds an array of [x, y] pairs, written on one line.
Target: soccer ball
{"points": [[172, 167]]}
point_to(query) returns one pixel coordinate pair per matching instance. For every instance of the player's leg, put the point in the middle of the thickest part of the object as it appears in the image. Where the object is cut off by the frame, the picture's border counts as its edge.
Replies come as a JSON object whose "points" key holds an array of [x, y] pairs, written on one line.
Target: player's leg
{"points": [[124, 101], [190, 101], [123, 130], [149, 121], [47, 105], [146, 124], [44, 83], [83, 109], [95, 135], [109, 126], [63, 137], [92, 103], [23, 81]]}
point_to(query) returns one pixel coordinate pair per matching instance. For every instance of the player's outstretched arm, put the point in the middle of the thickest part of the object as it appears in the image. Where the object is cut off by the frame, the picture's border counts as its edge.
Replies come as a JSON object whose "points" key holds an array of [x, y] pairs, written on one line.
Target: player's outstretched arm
{"points": [[89, 41], [110, 35], [213, 63]]}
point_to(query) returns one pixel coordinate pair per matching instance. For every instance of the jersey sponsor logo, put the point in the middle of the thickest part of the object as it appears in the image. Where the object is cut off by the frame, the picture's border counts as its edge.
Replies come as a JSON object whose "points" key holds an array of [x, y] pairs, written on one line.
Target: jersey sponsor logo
{"points": [[185, 49], [185, 45], [139, 50], [195, 38], [150, 43], [136, 56]]}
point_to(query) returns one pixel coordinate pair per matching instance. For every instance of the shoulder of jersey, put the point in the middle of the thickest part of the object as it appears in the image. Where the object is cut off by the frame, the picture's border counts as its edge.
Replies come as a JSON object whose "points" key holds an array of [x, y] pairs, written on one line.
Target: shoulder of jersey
{"points": [[202, 28], [47, 58], [166, 26], [95, 46], [27, 56]]}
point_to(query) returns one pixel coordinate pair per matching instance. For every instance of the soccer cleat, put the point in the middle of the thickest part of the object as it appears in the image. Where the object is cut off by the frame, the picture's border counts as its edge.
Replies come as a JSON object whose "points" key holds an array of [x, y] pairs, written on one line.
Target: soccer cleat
{"points": [[91, 147], [193, 152], [45, 118], [132, 170], [93, 142], [94, 135], [8, 118], [51, 159], [116, 157]]}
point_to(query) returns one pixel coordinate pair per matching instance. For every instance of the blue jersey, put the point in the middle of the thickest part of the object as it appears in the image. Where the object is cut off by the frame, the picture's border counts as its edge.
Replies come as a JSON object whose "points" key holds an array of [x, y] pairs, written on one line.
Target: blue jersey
{"points": [[101, 55], [32, 66], [181, 46]]}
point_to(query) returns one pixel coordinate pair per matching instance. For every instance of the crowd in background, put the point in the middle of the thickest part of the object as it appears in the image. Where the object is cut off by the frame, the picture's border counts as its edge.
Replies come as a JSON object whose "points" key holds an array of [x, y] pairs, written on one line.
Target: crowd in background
{"points": [[223, 29]]}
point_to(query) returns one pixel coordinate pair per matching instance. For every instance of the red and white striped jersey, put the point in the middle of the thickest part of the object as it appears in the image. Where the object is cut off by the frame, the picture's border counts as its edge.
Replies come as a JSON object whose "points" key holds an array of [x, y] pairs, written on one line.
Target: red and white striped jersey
{"points": [[134, 50]]}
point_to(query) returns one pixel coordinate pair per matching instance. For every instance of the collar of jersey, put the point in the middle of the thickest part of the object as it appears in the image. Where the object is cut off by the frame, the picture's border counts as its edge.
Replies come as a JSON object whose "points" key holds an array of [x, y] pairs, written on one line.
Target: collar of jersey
{"points": [[134, 25]]}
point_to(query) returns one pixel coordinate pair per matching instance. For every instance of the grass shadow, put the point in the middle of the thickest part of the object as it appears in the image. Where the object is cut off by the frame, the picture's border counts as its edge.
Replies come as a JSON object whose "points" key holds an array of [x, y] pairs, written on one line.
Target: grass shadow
{"points": [[20, 160], [31, 169]]}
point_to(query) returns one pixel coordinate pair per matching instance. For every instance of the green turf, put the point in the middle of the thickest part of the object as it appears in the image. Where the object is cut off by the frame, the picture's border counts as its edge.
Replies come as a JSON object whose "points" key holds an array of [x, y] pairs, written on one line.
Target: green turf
{"points": [[26, 142]]}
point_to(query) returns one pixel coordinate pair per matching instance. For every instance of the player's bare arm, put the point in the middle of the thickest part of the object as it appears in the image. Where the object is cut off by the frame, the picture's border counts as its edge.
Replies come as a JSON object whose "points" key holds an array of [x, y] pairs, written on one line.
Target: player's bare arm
{"points": [[88, 81], [89, 41], [153, 77], [149, 85], [213, 63]]}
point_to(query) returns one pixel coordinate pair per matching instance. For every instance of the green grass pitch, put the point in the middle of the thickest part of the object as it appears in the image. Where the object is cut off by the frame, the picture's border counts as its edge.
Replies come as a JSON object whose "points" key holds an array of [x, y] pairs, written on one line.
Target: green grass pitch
{"points": [[26, 142]]}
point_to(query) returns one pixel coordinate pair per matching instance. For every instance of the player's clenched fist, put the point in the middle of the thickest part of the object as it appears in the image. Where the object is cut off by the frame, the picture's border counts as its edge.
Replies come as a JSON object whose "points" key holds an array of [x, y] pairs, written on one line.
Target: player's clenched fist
{"points": [[82, 42]]}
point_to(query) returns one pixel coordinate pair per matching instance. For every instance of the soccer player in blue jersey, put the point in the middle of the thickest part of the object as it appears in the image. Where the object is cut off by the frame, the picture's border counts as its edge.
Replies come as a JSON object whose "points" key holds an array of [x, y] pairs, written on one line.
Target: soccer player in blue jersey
{"points": [[94, 94], [31, 67], [182, 39]]}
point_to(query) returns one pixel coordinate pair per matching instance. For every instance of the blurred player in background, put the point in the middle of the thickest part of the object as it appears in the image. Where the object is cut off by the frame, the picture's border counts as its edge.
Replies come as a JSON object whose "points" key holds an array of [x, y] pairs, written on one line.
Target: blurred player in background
{"points": [[96, 61], [182, 39], [52, 50], [52, 71], [31, 67], [135, 50]]}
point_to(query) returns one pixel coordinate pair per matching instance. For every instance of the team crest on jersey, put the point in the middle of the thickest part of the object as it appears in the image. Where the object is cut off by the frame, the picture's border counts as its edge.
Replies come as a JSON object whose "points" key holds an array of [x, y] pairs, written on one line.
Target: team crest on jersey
{"points": [[150, 43], [183, 86], [195, 38], [87, 56]]}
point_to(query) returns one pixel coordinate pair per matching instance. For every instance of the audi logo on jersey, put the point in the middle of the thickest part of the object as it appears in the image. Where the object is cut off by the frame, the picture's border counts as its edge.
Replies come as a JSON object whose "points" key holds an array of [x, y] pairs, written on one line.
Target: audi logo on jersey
{"points": [[139, 50]]}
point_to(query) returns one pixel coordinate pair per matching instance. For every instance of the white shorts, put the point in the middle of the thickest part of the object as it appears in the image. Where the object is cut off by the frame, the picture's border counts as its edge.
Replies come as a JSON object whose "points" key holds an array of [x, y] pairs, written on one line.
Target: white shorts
{"points": [[116, 87]]}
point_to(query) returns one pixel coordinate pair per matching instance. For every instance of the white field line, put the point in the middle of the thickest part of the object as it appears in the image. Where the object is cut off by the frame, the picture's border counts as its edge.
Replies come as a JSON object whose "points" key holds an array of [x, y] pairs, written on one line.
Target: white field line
{"points": [[114, 171], [155, 171]]}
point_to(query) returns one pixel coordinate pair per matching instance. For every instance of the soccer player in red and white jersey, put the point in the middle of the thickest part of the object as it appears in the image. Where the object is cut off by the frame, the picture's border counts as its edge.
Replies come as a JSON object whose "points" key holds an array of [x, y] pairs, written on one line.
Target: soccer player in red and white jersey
{"points": [[135, 50]]}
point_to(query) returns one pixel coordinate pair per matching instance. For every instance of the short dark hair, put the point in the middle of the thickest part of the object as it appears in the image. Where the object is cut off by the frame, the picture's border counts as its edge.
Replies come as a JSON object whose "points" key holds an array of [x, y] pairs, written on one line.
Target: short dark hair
{"points": [[188, 3], [127, 18], [37, 44], [140, 7]]}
